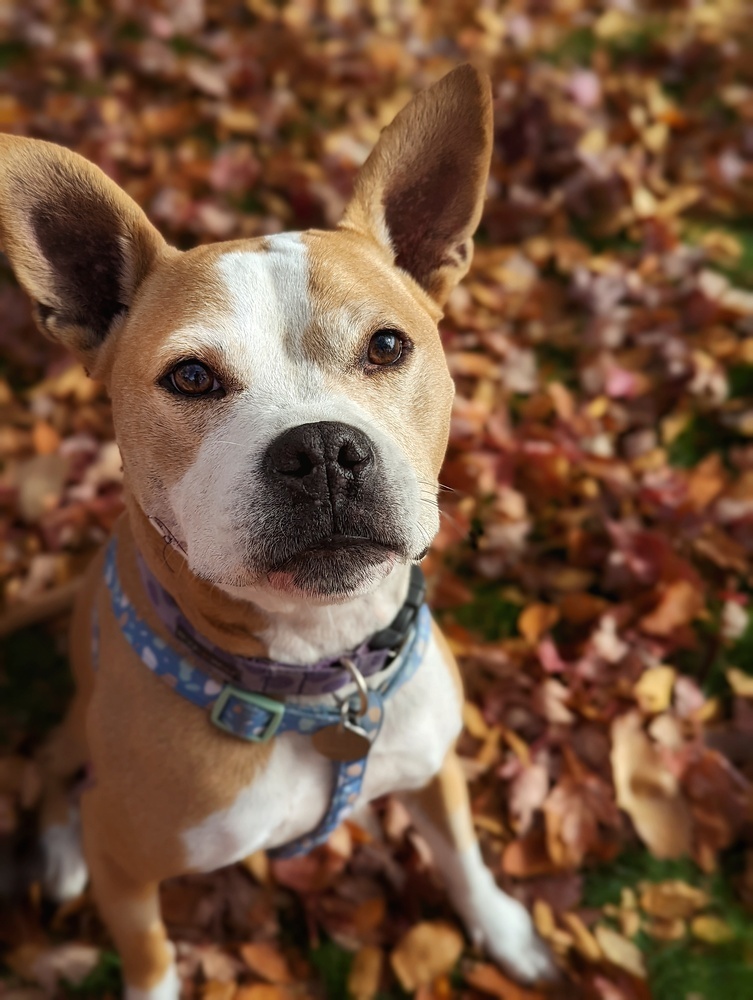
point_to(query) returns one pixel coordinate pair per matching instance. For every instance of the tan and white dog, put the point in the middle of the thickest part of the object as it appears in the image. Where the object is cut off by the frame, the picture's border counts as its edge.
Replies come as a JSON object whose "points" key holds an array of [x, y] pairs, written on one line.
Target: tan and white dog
{"points": [[292, 551]]}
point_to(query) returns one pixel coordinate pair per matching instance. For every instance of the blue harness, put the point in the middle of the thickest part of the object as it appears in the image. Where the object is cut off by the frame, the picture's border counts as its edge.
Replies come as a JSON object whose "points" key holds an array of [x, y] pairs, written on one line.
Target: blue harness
{"points": [[255, 717]]}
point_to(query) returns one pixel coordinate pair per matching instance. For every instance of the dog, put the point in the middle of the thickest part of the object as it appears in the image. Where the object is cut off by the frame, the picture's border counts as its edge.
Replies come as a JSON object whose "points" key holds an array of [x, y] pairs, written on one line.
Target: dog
{"points": [[252, 653]]}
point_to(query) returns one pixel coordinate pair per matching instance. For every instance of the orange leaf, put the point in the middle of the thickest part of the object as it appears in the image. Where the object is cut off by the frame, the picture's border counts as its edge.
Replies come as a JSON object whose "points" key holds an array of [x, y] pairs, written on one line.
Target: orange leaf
{"points": [[488, 979], [267, 961], [536, 620], [679, 605], [265, 991]]}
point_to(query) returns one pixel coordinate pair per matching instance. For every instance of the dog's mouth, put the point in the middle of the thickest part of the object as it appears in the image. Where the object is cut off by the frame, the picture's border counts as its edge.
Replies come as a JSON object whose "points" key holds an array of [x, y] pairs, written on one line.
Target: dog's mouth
{"points": [[336, 567]]}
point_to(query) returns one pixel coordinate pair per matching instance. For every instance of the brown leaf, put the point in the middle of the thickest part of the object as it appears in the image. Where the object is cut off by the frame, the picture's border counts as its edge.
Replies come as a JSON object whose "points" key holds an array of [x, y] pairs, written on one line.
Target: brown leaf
{"points": [[647, 792], [425, 952], [489, 980], [266, 960], [679, 604], [672, 899]]}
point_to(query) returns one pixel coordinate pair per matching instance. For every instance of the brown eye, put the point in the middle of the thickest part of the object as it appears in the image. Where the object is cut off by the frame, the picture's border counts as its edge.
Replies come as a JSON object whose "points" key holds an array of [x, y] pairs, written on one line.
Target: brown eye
{"points": [[385, 347], [192, 378]]}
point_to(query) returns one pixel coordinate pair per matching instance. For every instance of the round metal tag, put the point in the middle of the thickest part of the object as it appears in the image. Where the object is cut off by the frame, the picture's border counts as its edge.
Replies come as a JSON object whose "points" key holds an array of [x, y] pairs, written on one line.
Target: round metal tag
{"points": [[343, 741]]}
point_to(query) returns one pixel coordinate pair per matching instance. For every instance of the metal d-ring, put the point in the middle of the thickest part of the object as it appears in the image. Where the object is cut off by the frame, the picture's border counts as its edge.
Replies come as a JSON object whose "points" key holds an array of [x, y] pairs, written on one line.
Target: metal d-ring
{"points": [[355, 673]]}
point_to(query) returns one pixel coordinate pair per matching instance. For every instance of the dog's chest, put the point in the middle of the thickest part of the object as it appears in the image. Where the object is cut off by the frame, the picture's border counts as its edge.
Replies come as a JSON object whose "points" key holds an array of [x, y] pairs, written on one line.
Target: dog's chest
{"points": [[292, 794]]}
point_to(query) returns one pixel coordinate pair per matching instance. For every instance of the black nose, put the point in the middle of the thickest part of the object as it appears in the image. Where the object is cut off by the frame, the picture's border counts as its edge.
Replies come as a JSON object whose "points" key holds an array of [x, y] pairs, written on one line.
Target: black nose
{"points": [[321, 459]]}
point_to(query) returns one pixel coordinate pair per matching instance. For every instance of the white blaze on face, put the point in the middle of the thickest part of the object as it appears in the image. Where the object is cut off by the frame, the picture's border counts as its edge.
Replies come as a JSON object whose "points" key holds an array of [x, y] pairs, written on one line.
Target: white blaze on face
{"points": [[261, 336]]}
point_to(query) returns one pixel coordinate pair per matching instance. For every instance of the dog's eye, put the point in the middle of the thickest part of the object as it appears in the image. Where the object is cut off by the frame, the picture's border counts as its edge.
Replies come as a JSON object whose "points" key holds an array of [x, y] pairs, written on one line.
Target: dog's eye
{"points": [[193, 378], [385, 347]]}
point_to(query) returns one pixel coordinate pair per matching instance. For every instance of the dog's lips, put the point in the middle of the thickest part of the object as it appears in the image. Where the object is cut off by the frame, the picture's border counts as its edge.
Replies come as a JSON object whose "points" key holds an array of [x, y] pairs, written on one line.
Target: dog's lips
{"points": [[324, 566]]}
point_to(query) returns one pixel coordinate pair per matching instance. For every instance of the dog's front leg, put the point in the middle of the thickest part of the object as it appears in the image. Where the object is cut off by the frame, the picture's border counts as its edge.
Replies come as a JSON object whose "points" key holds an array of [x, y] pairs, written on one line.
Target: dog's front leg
{"points": [[442, 814], [131, 911]]}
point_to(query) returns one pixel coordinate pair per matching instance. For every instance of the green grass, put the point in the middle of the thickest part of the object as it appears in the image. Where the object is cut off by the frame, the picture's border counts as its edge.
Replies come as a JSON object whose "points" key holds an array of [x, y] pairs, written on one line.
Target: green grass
{"points": [[490, 614], [104, 981], [683, 969]]}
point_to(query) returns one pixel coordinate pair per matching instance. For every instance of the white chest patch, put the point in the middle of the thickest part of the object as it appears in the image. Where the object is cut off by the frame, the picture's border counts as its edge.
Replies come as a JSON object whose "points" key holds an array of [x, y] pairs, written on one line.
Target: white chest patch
{"points": [[291, 796]]}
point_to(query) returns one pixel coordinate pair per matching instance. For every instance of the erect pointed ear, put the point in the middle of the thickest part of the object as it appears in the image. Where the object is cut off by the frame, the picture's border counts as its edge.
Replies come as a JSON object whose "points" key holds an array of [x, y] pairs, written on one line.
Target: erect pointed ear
{"points": [[78, 244], [421, 191]]}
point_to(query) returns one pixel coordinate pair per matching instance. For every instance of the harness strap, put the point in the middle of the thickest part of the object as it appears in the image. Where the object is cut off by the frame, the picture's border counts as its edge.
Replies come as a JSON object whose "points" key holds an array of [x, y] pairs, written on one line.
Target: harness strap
{"points": [[254, 717]]}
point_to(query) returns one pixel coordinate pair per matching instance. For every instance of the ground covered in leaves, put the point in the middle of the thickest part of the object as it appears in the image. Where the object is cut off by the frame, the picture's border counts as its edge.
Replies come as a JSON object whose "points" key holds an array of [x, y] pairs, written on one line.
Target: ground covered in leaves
{"points": [[593, 570]]}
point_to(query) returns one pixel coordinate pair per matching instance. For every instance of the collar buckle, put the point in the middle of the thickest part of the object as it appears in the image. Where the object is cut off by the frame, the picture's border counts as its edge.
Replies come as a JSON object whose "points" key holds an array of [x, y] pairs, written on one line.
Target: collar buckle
{"points": [[240, 719]]}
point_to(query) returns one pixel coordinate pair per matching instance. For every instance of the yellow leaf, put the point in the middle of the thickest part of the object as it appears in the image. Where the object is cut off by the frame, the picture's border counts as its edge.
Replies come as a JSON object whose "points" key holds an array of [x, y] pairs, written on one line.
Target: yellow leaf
{"points": [[257, 865], [428, 950], [583, 939], [218, 991], [536, 620], [740, 682], [653, 691], [365, 974], [621, 952], [672, 899], [712, 930], [543, 918]]}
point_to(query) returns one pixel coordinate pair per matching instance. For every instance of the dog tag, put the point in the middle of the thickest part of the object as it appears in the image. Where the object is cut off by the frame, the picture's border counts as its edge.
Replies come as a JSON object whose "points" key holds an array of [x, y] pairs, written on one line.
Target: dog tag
{"points": [[344, 741]]}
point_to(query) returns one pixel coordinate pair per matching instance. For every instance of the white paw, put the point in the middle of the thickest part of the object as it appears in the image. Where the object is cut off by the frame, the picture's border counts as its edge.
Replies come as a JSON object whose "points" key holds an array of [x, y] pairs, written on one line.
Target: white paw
{"points": [[504, 928], [168, 988], [65, 873]]}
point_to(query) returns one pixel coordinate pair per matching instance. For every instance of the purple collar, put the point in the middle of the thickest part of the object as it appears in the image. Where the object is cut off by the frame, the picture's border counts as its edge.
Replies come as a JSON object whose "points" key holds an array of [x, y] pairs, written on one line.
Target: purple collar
{"points": [[263, 676]]}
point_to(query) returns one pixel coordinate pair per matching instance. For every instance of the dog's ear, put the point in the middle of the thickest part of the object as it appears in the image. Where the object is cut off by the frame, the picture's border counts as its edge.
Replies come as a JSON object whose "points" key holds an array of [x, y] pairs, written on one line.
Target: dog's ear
{"points": [[421, 191], [78, 244]]}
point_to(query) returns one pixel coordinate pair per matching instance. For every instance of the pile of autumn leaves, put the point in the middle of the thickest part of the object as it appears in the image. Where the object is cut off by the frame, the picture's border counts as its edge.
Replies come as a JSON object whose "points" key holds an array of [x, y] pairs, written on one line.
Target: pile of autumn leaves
{"points": [[592, 570]]}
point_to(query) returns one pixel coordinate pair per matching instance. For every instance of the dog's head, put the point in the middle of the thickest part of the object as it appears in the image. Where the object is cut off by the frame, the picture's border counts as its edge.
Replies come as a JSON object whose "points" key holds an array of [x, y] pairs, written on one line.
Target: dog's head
{"points": [[281, 404]]}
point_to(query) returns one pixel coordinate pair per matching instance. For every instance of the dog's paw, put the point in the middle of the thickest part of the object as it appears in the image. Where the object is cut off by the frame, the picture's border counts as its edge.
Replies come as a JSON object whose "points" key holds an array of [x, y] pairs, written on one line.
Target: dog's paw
{"points": [[503, 927], [65, 873]]}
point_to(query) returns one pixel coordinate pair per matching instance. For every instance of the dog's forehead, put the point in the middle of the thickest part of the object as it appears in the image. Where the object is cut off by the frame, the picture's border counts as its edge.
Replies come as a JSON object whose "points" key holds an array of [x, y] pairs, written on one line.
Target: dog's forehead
{"points": [[301, 296]]}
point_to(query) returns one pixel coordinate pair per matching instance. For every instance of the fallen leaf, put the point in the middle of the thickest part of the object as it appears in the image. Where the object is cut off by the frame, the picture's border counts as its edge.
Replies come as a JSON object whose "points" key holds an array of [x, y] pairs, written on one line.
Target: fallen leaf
{"points": [[653, 690], [365, 973], [712, 930], [489, 980], [672, 899], [621, 952], [537, 619], [266, 960], [647, 792], [425, 952], [678, 605]]}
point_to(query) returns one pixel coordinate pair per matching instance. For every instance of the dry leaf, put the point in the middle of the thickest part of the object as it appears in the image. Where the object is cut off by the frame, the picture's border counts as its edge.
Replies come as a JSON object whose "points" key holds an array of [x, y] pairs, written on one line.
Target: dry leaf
{"points": [[214, 990], [365, 973], [266, 960], [712, 930], [653, 690], [425, 952], [537, 619], [647, 792], [679, 604], [489, 980], [672, 899], [621, 952]]}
